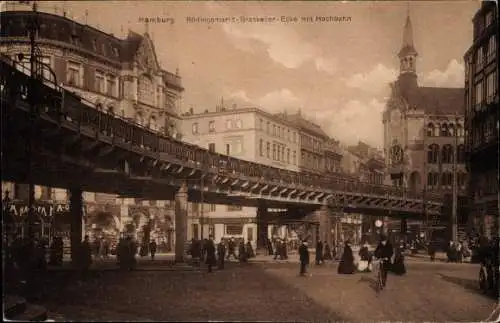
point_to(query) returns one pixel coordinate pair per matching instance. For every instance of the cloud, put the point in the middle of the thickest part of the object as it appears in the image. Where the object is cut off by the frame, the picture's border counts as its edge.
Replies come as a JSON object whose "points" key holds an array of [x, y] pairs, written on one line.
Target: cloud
{"points": [[452, 76], [375, 81], [354, 121], [273, 102], [350, 122], [282, 45]]}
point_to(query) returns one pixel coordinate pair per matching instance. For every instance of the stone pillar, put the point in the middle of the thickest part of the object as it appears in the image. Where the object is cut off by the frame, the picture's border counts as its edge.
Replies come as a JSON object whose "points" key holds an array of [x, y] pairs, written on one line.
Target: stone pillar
{"points": [[262, 226], [181, 201], [76, 223]]}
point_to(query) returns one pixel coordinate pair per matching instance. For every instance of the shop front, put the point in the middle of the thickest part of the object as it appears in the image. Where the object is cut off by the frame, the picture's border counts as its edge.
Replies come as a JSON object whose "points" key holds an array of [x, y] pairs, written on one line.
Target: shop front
{"points": [[151, 223], [50, 218], [237, 228]]}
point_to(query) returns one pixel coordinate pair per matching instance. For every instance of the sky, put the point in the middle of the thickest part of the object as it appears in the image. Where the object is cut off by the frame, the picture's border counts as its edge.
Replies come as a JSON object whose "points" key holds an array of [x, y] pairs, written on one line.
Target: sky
{"points": [[336, 72]]}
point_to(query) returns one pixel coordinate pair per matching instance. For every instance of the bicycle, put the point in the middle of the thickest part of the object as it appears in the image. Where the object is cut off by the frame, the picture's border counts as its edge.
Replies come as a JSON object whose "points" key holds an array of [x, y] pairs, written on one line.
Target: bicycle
{"points": [[380, 264]]}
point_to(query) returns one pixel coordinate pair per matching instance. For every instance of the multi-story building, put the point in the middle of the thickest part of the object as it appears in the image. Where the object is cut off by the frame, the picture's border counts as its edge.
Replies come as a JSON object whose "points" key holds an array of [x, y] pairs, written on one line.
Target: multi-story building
{"points": [[246, 133], [120, 76], [312, 142], [333, 156], [482, 120], [423, 130]]}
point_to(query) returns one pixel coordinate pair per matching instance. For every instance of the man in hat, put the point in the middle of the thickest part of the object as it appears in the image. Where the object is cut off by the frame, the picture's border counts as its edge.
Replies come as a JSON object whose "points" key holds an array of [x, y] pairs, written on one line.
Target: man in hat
{"points": [[304, 257], [384, 252]]}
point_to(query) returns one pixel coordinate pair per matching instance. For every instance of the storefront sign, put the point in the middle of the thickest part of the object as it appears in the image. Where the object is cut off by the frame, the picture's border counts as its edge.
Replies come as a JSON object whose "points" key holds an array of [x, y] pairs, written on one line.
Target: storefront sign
{"points": [[20, 209]]}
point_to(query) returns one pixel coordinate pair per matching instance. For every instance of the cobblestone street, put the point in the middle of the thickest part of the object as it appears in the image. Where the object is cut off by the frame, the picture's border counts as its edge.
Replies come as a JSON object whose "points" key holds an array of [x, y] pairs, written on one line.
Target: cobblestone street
{"points": [[269, 291]]}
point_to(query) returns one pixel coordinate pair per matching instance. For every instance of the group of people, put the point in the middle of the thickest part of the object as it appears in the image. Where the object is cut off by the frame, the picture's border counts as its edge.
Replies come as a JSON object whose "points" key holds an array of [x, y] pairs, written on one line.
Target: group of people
{"points": [[457, 251], [216, 255], [392, 259]]}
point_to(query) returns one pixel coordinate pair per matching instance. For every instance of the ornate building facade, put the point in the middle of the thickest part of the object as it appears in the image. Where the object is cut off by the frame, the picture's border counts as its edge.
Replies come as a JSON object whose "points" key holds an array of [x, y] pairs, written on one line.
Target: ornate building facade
{"points": [[482, 121], [120, 76], [423, 130]]}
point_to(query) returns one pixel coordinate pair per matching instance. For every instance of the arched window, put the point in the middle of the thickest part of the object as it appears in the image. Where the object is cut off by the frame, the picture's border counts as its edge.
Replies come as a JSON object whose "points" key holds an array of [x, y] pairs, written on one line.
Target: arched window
{"points": [[461, 154], [430, 130], [460, 130], [447, 154], [432, 179], [433, 154], [437, 128], [451, 129], [444, 130], [446, 179], [462, 179]]}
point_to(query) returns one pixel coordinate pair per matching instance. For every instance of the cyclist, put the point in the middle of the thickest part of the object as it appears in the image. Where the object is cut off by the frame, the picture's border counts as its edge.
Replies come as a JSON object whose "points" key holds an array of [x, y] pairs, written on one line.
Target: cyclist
{"points": [[384, 252]]}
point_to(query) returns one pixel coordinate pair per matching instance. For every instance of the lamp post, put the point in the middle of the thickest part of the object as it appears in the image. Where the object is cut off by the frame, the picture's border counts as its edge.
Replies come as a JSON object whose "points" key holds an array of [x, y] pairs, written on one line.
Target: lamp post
{"points": [[33, 28], [337, 209], [454, 218]]}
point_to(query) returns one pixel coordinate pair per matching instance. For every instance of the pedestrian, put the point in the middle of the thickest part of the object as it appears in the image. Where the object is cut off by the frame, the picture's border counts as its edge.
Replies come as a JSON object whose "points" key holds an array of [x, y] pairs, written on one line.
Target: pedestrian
{"points": [[210, 253], [398, 267], [221, 253], [269, 247], [230, 248], [304, 258], [152, 249], [277, 249], [242, 253], [249, 250], [365, 258], [319, 252], [327, 251], [346, 265], [432, 251], [284, 246]]}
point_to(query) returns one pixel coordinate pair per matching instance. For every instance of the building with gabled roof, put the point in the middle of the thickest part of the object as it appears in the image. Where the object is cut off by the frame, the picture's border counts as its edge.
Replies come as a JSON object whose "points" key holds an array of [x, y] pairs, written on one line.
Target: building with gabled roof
{"points": [[120, 76]]}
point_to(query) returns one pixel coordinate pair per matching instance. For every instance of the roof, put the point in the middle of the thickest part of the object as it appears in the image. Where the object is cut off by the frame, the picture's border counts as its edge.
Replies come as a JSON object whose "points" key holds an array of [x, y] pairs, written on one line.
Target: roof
{"points": [[59, 28], [306, 125], [437, 100]]}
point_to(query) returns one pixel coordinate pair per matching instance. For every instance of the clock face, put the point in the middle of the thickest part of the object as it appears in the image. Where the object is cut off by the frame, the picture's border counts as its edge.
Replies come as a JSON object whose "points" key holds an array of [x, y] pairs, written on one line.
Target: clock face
{"points": [[396, 154]]}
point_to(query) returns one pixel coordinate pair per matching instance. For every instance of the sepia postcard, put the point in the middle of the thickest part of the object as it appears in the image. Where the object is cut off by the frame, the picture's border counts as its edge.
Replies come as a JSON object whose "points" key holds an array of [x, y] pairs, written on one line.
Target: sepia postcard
{"points": [[277, 161]]}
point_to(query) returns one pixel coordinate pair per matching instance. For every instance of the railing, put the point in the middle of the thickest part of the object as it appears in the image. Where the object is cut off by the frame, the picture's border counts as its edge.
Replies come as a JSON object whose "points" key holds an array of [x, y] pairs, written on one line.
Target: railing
{"points": [[60, 103]]}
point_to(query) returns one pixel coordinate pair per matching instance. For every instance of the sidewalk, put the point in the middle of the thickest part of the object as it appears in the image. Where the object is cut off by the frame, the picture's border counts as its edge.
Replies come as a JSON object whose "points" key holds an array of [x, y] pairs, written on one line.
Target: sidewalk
{"points": [[162, 262]]}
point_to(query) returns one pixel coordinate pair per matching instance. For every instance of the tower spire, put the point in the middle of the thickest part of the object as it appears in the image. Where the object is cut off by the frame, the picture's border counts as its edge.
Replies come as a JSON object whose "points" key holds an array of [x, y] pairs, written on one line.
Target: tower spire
{"points": [[408, 46]]}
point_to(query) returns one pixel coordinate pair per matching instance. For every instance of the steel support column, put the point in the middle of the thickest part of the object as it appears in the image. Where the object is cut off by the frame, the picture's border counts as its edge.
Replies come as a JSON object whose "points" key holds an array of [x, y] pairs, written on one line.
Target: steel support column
{"points": [[324, 224], [262, 226], [76, 223], [181, 203]]}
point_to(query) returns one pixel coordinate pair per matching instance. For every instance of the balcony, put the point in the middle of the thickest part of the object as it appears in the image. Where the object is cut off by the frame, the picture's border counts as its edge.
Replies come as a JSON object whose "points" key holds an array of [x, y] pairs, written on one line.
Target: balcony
{"points": [[173, 80]]}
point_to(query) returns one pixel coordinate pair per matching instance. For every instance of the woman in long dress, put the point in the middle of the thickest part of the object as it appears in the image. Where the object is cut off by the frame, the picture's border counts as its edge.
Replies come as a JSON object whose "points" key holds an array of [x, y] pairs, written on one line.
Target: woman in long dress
{"points": [[398, 267], [346, 265]]}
